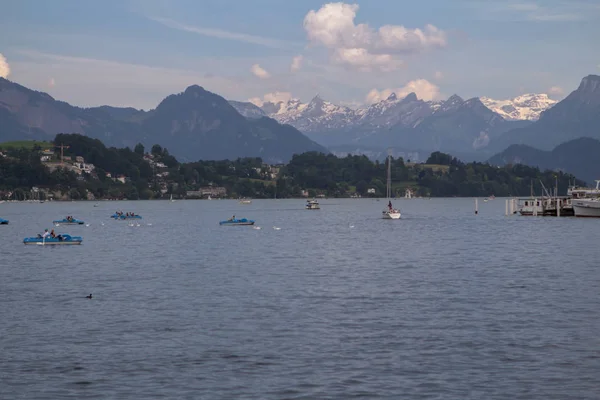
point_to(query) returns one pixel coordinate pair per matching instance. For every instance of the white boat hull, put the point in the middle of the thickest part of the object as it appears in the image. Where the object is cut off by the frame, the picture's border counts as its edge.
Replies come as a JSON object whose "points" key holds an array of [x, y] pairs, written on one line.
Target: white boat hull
{"points": [[391, 215], [586, 208]]}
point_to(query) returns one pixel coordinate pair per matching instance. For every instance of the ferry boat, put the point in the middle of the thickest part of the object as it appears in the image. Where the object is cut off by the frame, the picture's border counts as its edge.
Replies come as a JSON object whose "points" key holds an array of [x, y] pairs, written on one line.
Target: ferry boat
{"points": [[312, 205]]}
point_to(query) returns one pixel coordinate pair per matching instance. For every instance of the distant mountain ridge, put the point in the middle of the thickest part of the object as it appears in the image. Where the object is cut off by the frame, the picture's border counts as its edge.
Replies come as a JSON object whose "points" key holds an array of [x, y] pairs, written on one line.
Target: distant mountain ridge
{"points": [[527, 107], [195, 124], [576, 116], [578, 157], [453, 125]]}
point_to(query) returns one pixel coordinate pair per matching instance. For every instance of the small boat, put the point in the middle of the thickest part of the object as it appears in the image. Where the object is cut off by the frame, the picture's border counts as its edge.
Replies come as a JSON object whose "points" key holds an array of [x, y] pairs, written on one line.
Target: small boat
{"points": [[390, 212], [68, 221], [125, 216], [245, 201], [171, 199], [63, 239], [3, 221], [236, 222], [312, 205], [589, 208]]}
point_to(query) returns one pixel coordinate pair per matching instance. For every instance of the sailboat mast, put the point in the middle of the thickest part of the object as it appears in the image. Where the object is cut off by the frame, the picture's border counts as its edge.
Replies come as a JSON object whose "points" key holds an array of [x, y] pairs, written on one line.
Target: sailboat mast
{"points": [[389, 175]]}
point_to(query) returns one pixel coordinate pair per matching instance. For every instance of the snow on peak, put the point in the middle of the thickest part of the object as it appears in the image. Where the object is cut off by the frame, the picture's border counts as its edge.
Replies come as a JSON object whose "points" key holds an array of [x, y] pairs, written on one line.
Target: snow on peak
{"points": [[525, 107]]}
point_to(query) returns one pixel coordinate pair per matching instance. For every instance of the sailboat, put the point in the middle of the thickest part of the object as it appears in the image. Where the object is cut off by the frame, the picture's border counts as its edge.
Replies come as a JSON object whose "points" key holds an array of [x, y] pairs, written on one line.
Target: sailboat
{"points": [[172, 198], [390, 212]]}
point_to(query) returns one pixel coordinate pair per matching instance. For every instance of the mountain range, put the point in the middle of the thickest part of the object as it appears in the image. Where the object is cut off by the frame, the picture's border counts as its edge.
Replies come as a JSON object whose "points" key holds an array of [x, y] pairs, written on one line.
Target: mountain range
{"points": [[454, 125], [578, 157], [195, 124], [471, 129]]}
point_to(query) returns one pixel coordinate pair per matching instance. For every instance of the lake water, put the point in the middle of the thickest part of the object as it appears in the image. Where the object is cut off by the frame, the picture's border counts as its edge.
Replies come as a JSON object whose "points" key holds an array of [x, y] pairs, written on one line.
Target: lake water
{"points": [[337, 304]]}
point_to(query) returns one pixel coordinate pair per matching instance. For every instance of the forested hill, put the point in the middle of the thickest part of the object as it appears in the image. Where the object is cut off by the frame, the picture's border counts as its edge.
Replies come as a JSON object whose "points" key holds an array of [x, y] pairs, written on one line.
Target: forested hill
{"points": [[90, 170]]}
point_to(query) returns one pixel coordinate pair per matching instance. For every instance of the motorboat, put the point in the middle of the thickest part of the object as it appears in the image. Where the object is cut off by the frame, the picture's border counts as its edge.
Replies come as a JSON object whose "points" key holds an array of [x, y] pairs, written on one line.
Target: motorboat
{"points": [[62, 239], [121, 216], [3, 221], [236, 222], [589, 208], [68, 221], [245, 201], [312, 205]]}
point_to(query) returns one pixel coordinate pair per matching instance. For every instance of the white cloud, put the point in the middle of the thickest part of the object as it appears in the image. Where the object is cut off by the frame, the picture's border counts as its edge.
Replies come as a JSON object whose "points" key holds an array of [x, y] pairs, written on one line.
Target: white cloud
{"points": [[424, 90], [296, 63], [556, 91], [4, 67], [260, 72], [274, 97], [362, 60], [363, 47], [222, 34]]}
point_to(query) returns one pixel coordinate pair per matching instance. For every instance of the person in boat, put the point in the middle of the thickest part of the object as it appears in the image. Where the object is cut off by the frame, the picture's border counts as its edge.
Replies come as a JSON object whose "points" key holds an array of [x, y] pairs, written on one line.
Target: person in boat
{"points": [[45, 234], [52, 233], [390, 205], [232, 218]]}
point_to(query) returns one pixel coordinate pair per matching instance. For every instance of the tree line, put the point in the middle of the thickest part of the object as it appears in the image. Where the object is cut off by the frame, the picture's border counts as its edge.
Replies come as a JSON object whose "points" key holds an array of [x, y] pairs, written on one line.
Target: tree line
{"points": [[309, 174]]}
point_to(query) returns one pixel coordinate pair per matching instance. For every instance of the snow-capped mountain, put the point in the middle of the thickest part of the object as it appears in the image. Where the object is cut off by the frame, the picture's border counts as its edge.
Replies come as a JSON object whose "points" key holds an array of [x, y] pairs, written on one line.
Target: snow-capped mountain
{"points": [[315, 116], [247, 109], [525, 107], [454, 124]]}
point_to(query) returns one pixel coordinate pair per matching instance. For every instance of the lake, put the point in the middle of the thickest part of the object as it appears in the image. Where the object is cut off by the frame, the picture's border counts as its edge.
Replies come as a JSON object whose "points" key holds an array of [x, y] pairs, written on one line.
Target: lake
{"points": [[336, 304]]}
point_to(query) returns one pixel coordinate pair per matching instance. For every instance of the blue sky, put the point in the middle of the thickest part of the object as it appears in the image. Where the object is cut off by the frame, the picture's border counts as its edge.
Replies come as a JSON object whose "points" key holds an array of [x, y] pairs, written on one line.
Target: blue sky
{"points": [[136, 52]]}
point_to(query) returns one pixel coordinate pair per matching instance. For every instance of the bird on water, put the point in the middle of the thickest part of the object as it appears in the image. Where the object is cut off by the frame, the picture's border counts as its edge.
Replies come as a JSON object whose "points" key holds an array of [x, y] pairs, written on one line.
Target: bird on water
{"points": [[89, 297]]}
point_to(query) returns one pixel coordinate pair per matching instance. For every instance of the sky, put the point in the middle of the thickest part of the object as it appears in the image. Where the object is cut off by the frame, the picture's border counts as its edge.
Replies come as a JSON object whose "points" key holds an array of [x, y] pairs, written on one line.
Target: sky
{"points": [[136, 52]]}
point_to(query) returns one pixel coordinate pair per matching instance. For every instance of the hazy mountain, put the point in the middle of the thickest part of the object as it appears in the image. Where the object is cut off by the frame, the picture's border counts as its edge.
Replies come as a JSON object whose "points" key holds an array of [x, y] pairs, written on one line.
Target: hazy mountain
{"points": [[578, 115], [195, 124], [578, 157], [454, 125]]}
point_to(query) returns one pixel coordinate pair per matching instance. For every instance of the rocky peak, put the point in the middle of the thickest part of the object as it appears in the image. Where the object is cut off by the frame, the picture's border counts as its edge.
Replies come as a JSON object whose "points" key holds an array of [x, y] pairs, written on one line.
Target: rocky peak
{"points": [[590, 84], [412, 96]]}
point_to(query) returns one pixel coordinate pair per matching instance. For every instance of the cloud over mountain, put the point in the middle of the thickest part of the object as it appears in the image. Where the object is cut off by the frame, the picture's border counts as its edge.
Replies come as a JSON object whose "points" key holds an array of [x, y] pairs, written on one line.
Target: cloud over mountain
{"points": [[363, 47], [260, 72], [4, 67], [421, 87]]}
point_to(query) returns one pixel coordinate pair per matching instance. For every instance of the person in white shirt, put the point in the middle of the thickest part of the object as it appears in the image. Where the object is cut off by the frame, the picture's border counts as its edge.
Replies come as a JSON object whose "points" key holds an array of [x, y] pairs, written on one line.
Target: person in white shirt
{"points": [[46, 234]]}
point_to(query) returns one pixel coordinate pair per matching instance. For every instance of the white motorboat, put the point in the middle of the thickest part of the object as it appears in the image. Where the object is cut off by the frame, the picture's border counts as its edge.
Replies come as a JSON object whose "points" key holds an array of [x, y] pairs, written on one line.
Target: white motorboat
{"points": [[585, 201], [390, 212], [312, 205], [245, 201]]}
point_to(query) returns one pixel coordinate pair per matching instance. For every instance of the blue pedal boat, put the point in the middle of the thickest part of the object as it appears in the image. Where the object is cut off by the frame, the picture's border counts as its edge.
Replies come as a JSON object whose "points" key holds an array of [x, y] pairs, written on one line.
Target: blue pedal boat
{"points": [[123, 216], [71, 221], [236, 222], [63, 239], [3, 221]]}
